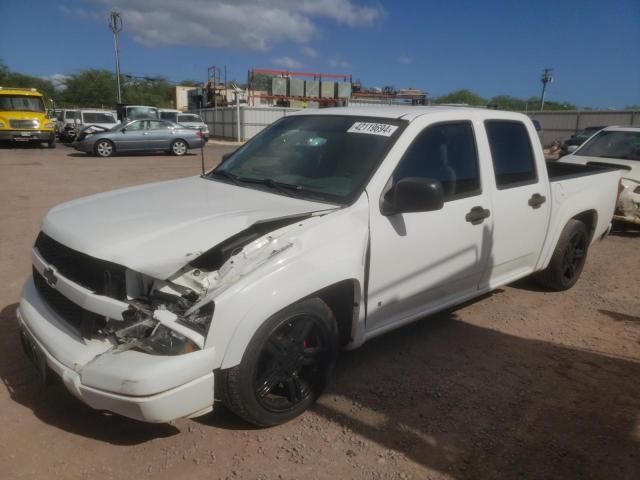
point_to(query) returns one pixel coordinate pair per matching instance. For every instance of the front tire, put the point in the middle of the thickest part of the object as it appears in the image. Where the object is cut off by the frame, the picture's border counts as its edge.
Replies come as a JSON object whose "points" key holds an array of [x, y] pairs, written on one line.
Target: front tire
{"points": [[568, 258], [51, 143], [104, 148], [286, 365], [179, 147]]}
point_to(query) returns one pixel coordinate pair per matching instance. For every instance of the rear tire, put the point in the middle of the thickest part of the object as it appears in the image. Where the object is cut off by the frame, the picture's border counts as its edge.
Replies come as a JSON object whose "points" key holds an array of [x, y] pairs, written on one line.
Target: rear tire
{"points": [[179, 147], [286, 365], [104, 148], [568, 258]]}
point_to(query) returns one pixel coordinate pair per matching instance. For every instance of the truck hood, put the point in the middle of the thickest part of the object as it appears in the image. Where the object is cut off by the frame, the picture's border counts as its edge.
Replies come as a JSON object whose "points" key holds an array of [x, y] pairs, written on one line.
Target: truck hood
{"points": [[157, 228]]}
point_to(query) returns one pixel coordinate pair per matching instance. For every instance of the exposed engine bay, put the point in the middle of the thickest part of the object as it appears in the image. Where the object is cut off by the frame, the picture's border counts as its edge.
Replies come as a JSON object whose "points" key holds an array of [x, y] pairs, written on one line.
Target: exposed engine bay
{"points": [[173, 316]]}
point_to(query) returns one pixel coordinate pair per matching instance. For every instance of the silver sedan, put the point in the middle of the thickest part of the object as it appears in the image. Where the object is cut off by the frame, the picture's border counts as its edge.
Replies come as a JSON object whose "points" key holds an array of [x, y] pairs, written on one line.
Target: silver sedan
{"points": [[139, 136]]}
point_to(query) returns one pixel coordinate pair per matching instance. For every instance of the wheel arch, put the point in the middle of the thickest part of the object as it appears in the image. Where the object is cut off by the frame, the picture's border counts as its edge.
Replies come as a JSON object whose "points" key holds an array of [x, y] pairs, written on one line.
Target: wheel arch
{"points": [[590, 219], [342, 297]]}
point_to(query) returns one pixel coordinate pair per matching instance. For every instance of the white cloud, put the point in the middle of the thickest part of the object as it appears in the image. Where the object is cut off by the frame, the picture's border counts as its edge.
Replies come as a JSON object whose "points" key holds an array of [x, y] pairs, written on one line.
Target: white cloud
{"points": [[286, 62], [59, 80], [241, 24], [404, 59], [309, 51], [339, 63]]}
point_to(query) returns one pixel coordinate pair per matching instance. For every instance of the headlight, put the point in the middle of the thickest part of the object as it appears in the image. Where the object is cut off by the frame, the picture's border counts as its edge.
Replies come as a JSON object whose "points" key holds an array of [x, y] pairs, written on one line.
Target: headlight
{"points": [[199, 320], [1, 125], [164, 341]]}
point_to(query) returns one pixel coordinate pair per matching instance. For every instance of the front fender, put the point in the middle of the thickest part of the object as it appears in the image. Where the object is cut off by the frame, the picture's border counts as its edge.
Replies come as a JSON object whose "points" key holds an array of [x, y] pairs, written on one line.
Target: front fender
{"points": [[329, 250]]}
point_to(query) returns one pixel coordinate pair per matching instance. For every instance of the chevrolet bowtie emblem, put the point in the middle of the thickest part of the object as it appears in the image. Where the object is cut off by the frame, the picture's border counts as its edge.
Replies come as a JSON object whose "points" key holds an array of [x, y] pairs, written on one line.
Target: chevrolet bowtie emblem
{"points": [[50, 276]]}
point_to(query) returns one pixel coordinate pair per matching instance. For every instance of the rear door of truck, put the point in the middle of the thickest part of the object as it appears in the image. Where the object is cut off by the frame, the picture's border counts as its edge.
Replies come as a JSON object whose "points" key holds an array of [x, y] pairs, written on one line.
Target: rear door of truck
{"points": [[521, 200]]}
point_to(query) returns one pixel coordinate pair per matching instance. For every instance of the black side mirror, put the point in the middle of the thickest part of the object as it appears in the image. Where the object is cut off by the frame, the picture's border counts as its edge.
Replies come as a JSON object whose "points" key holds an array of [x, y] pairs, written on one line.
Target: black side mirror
{"points": [[413, 194]]}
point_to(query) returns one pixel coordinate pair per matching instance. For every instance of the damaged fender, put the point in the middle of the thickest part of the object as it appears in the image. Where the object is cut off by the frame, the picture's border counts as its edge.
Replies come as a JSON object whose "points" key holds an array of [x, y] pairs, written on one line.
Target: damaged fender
{"points": [[325, 250]]}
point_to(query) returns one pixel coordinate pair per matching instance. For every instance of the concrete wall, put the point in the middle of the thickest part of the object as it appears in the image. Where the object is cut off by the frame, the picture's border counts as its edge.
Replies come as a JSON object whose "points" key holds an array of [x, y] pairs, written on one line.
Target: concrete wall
{"points": [[222, 121], [561, 125]]}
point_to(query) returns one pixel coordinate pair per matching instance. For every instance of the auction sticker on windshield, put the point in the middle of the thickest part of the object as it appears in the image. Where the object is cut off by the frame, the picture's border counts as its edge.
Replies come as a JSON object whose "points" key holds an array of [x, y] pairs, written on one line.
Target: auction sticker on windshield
{"points": [[373, 128]]}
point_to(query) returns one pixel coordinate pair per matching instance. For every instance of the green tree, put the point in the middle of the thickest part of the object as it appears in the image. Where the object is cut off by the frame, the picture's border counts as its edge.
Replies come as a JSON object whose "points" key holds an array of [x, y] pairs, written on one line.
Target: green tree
{"points": [[20, 80], [506, 102], [90, 88], [464, 96]]}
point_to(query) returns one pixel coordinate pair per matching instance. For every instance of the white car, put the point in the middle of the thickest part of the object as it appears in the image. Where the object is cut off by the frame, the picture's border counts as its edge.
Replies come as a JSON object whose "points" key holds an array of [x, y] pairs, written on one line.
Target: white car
{"points": [[327, 229], [619, 146], [190, 120]]}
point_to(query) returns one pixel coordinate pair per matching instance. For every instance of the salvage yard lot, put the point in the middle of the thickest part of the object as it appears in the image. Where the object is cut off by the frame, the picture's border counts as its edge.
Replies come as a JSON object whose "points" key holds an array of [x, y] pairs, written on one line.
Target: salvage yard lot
{"points": [[518, 384]]}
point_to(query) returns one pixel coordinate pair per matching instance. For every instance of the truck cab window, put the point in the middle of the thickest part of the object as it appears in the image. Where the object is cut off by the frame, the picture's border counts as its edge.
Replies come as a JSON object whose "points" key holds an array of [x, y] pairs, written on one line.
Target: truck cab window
{"points": [[444, 152], [512, 155]]}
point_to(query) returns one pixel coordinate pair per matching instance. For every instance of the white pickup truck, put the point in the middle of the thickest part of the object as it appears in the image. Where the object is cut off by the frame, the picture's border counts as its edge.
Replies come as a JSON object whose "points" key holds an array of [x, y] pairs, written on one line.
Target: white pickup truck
{"points": [[327, 229]]}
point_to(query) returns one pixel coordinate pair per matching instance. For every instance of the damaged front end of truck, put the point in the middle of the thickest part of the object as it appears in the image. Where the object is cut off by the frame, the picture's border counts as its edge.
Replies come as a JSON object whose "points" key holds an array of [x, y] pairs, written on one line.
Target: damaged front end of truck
{"points": [[172, 316]]}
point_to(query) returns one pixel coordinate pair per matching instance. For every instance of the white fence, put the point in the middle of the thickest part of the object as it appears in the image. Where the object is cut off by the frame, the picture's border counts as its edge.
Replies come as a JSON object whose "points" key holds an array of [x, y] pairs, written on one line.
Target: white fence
{"points": [[555, 125], [222, 121], [561, 125]]}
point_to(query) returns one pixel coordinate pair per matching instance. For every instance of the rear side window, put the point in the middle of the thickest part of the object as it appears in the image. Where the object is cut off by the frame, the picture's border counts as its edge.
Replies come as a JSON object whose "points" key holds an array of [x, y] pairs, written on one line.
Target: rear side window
{"points": [[444, 152], [512, 154]]}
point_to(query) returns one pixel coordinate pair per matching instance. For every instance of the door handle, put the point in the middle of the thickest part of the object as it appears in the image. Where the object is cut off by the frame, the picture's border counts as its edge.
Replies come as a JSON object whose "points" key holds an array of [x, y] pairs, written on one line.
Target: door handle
{"points": [[536, 200], [145, 133], [477, 215]]}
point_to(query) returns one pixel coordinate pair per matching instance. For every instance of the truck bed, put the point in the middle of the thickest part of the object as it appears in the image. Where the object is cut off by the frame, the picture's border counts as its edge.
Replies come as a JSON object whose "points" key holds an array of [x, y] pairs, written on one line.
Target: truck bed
{"points": [[562, 171]]}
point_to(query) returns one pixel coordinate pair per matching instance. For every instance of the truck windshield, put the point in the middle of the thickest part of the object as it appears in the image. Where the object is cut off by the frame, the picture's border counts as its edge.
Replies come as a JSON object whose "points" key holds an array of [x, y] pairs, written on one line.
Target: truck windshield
{"points": [[24, 103], [318, 157], [138, 113], [94, 117], [613, 144]]}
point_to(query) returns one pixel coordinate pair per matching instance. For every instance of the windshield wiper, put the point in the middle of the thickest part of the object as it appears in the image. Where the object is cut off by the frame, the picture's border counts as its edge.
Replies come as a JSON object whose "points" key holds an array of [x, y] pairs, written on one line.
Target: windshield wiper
{"points": [[286, 188], [227, 175]]}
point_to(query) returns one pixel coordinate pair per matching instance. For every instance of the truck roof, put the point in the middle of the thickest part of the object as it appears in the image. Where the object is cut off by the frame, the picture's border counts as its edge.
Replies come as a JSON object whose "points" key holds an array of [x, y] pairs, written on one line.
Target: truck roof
{"points": [[410, 112], [20, 91]]}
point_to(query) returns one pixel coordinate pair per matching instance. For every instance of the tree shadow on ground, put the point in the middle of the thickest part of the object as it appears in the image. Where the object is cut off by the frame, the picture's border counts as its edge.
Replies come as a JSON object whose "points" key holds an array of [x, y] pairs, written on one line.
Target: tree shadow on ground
{"points": [[477, 403], [54, 405]]}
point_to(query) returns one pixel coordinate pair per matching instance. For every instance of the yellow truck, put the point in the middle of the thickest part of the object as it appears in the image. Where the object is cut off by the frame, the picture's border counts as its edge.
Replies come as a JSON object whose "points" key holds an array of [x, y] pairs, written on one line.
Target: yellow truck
{"points": [[23, 117]]}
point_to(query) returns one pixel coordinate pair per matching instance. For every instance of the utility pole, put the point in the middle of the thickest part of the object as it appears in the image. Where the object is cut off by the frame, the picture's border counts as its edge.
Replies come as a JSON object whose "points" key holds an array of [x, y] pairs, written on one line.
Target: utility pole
{"points": [[115, 24], [547, 77]]}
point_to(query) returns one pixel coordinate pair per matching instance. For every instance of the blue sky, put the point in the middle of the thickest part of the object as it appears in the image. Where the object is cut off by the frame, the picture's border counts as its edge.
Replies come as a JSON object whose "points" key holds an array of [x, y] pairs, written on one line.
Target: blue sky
{"points": [[491, 47]]}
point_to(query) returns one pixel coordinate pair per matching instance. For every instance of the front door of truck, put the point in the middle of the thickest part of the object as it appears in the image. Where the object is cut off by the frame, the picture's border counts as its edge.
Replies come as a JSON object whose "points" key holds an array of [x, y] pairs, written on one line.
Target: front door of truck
{"points": [[521, 203], [425, 260]]}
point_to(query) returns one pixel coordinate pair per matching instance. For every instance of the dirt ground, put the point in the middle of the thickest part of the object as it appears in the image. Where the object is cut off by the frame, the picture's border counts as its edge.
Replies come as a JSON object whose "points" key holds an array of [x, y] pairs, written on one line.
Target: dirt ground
{"points": [[518, 384]]}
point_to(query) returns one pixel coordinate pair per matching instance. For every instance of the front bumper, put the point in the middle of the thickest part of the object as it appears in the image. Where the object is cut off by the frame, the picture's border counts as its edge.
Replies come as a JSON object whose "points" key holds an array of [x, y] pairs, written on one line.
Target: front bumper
{"points": [[27, 135], [81, 364]]}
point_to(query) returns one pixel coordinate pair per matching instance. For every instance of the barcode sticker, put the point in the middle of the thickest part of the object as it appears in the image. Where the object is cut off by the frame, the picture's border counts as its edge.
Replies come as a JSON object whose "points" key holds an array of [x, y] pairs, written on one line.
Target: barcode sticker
{"points": [[382, 129]]}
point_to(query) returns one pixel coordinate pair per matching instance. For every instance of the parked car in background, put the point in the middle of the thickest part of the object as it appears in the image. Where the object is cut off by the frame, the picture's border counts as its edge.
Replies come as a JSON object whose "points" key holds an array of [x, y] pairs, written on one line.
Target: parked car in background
{"points": [[572, 143], [190, 120], [140, 136], [65, 125], [93, 116], [619, 146], [331, 227], [23, 117]]}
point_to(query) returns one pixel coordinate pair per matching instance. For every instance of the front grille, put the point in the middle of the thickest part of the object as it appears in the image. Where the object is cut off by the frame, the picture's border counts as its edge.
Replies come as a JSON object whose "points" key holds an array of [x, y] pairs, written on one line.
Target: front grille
{"points": [[84, 321], [24, 123], [99, 276]]}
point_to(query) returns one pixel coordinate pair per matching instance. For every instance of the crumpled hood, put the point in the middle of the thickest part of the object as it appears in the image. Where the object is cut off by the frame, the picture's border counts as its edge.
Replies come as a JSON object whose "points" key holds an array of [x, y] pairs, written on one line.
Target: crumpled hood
{"points": [[157, 228]]}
